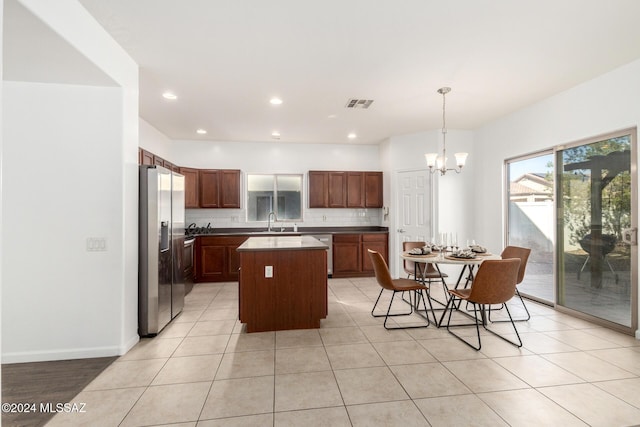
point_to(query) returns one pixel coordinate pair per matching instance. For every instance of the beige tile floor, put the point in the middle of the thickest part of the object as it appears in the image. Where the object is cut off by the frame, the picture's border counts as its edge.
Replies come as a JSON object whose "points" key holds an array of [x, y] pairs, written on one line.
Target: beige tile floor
{"points": [[203, 370]]}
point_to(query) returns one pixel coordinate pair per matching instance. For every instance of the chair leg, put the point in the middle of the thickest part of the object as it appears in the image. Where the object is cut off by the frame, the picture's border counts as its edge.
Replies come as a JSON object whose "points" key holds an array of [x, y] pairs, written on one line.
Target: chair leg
{"points": [[386, 316], [391, 315], [477, 325], [515, 320], [517, 344]]}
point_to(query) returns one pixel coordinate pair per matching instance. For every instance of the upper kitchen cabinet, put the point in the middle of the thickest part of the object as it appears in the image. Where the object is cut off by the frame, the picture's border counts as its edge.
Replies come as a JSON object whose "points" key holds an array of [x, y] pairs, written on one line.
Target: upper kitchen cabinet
{"points": [[191, 185], [146, 158], [219, 188], [355, 189], [318, 189], [229, 189], [373, 190], [337, 190], [345, 189]]}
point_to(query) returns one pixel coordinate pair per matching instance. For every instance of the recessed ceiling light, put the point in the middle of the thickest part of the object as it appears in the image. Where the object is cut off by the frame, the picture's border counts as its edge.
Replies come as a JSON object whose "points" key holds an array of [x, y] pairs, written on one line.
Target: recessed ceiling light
{"points": [[275, 135], [201, 132], [352, 136], [275, 101], [332, 116], [169, 95]]}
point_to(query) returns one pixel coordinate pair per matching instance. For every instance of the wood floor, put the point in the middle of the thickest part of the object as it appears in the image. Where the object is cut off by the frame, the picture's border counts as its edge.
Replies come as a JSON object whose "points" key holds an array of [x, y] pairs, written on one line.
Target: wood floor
{"points": [[45, 382]]}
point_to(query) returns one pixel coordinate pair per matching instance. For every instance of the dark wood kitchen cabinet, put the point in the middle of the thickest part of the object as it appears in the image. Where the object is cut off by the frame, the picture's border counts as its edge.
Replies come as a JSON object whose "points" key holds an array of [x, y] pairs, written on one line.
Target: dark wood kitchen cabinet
{"points": [[294, 296], [219, 188], [327, 189], [146, 157], [373, 194], [350, 255], [188, 263], [217, 259], [191, 185], [355, 189], [334, 189], [318, 189], [337, 190]]}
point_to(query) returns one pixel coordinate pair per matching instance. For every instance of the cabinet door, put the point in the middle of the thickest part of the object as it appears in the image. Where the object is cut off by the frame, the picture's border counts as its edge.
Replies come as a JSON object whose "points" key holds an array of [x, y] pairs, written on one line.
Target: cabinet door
{"points": [[146, 158], [191, 199], [355, 190], [376, 242], [210, 263], [233, 257], [373, 190], [158, 161], [318, 189], [209, 188], [337, 189], [229, 189], [346, 254]]}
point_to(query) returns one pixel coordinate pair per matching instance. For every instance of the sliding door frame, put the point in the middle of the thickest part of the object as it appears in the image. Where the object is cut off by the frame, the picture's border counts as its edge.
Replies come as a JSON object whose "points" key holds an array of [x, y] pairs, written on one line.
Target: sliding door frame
{"points": [[506, 187], [633, 328]]}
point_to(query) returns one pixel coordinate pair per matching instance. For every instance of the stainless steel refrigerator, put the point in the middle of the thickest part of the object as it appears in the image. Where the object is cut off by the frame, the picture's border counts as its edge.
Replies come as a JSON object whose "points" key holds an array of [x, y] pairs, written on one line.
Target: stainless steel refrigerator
{"points": [[160, 278]]}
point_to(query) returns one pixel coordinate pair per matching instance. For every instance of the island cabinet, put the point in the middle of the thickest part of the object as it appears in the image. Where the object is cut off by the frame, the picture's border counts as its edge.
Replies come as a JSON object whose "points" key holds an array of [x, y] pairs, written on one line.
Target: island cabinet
{"points": [[331, 189], [217, 259], [283, 283], [350, 255], [219, 188]]}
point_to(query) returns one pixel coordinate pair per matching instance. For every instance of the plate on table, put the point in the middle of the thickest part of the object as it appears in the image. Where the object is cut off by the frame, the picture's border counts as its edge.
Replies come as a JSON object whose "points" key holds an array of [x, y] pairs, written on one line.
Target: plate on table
{"points": [[483, 253], [457, 258], [421, 256]]}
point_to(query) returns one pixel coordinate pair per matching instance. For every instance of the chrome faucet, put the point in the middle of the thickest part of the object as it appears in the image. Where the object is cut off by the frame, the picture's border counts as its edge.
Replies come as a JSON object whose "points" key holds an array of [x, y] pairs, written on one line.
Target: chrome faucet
{"points": [[269, 220]]}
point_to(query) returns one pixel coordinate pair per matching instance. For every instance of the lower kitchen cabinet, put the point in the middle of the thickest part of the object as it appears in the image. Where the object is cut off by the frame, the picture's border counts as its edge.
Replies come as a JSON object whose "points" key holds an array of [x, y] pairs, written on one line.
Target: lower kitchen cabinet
{"points": [[217, 259], [350, 255], [188, 263]]}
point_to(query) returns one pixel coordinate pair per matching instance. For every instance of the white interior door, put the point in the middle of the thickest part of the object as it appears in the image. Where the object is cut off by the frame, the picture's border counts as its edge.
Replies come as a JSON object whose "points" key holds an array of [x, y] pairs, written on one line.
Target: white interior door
{"points": [[414, 221]]}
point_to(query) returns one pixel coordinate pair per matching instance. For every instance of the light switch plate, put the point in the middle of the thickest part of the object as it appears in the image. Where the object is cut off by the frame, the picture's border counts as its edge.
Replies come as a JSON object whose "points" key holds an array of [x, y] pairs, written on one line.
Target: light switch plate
{"points": [[268, 271]]}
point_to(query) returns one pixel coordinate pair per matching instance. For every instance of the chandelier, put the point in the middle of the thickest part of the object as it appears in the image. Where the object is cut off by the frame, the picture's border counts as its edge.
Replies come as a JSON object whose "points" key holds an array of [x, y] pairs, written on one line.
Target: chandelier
{"points": [[439, 163]]}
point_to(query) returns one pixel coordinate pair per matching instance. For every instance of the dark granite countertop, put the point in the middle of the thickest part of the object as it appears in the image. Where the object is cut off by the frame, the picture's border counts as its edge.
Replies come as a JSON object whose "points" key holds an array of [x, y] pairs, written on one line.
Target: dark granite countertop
{"points": [[288, 231]]}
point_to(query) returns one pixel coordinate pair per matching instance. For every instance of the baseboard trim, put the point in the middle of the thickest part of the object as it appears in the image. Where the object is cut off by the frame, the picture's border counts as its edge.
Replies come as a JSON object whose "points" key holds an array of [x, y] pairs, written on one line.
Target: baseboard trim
{"points": [[66, 354]]}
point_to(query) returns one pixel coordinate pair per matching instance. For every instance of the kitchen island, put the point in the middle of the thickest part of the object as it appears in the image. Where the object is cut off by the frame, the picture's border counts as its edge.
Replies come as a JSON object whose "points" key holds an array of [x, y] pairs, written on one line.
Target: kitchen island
{"points": [[283, 283]]}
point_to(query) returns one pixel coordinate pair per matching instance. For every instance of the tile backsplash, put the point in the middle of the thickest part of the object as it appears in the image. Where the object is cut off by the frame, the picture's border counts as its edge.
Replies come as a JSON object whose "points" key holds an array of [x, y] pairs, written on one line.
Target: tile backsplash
{"points": [[237, 218]]}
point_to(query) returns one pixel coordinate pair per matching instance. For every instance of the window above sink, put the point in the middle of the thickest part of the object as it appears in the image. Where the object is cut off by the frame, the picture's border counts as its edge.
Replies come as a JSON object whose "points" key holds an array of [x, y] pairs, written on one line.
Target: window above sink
{"points": [[278, 193]]}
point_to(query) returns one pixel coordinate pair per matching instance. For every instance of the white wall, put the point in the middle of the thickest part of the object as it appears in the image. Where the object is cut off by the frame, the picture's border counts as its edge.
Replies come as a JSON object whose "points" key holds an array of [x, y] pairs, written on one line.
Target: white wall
{"points": [[69, 172], [605, 104], [277, 157], [151, 139], [57, 297], [453, 193]]}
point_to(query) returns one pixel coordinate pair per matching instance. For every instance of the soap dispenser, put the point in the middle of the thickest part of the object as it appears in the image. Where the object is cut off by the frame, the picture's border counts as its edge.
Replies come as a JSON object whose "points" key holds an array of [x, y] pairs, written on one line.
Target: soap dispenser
{"points": [[295, 227]]}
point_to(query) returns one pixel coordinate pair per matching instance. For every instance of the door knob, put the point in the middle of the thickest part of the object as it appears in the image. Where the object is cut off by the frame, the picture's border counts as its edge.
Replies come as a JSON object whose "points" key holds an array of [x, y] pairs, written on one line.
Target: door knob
{"points": [[400, 230]]}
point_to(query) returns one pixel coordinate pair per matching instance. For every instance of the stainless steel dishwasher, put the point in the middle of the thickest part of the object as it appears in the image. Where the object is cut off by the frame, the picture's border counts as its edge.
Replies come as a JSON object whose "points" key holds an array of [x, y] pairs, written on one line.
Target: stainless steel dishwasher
{"points": [[327, 239]]}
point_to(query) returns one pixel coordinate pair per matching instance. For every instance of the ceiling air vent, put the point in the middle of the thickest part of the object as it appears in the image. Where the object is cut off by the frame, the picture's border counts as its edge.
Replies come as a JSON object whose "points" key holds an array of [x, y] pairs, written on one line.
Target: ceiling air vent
{"points": [[359, 103]]}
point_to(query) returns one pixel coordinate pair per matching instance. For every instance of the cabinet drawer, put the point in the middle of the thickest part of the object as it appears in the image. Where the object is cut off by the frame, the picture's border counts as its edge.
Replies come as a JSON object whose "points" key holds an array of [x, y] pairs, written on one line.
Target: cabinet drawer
{"points": [[378, 237], [346, 238]]}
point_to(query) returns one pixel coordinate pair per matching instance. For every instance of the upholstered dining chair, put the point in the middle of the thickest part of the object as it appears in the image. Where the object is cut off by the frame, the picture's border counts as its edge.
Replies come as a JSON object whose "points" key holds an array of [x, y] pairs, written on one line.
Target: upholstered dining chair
{"points": [[411, 268], [523, 255], [417, 291], [494, 283]]}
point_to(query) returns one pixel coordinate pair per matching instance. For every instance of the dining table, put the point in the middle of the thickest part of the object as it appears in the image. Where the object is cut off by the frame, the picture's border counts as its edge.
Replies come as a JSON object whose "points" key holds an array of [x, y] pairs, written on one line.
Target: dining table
{"points": [[438, 258]]}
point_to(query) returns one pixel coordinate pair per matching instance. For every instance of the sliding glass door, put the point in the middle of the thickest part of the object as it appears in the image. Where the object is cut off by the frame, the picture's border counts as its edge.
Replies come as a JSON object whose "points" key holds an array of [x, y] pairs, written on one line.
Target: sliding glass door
{"points": [[597, 256], [530, 214]]}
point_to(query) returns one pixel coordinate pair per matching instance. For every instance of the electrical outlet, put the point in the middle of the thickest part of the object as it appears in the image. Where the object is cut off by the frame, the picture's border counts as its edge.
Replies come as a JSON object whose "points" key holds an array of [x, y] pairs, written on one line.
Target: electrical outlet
{"points": [[96, 244], [268, 271]]}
